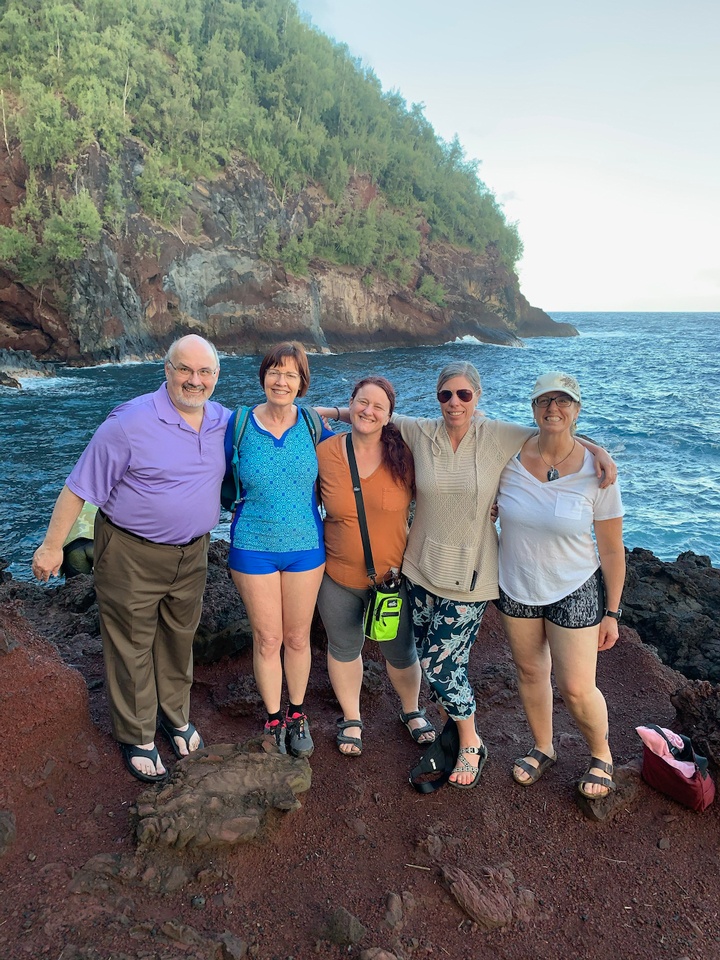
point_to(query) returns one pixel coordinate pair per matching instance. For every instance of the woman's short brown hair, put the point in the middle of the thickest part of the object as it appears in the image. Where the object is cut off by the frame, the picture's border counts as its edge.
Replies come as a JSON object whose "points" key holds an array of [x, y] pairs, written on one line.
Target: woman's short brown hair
{"points": [[275, 357]]}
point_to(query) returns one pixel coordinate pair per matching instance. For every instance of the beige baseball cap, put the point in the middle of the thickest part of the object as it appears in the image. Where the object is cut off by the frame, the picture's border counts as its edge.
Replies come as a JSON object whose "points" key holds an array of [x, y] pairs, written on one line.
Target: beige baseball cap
{"points": [[555, 380]]}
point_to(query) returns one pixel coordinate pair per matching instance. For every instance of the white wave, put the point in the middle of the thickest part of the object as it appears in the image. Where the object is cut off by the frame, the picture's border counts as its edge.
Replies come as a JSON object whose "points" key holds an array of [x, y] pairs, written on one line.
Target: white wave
{"points": [[48, 383], [469, 339]]}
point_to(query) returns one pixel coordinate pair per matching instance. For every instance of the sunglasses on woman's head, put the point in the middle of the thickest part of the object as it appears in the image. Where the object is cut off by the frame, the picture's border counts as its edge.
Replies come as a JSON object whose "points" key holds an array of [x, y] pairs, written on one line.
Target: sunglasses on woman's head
{"points": [[444, 396]]}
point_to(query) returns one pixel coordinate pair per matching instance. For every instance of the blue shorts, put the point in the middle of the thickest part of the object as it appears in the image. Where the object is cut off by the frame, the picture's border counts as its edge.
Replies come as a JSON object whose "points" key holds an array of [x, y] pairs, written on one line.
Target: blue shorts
{"points": [[258, 562]]}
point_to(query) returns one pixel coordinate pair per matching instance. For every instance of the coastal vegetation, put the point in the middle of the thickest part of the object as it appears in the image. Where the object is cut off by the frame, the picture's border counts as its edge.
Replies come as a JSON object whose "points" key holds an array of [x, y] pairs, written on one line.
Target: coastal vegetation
{"points": [[198, 80]]}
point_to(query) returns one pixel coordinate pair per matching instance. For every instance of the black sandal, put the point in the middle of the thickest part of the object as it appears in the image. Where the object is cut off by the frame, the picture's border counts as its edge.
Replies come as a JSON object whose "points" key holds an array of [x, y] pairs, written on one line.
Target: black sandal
{"points": [[342, 738], [418, 732], [129, 750], [534, 773], [588, 777], [171, 732]]}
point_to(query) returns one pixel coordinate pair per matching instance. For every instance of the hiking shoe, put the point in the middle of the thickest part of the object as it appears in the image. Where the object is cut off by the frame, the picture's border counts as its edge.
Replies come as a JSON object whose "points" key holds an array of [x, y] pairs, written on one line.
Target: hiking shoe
{"points": [[298, 731], [274, 734]]}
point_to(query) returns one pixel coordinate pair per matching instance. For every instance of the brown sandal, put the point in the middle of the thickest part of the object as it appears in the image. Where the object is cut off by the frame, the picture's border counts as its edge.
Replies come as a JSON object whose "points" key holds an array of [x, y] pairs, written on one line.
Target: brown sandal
{"points": [[534, 773], [588, 777]]}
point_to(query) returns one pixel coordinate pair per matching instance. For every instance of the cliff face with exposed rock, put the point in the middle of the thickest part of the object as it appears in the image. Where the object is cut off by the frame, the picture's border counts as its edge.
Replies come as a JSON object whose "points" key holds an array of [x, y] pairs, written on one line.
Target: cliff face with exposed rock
{"points": [[142, 284]]}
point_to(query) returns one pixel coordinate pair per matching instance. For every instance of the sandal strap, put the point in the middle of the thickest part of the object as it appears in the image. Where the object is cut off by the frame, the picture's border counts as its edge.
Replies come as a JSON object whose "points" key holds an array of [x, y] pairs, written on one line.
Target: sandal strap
{"points": [[137, 752], [413, 715], [344, 724], [601, 781], [353, 741], [601, 765], [527, 767], [538, 755]]}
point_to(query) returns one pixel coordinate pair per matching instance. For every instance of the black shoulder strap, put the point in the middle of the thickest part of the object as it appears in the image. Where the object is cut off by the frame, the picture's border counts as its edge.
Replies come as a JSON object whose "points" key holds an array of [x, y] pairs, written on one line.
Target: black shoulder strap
{"points": [[362, 519], [687, 754]]}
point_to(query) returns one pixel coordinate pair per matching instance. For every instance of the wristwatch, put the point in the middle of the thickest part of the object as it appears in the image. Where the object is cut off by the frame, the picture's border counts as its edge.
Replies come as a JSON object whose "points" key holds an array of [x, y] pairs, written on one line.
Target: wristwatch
{"points": [[615, 614]]}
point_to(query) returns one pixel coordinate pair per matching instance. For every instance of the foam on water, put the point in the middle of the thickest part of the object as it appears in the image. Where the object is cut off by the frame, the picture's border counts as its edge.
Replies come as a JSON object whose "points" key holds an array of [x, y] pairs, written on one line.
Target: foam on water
{"points": [[651, 394]]}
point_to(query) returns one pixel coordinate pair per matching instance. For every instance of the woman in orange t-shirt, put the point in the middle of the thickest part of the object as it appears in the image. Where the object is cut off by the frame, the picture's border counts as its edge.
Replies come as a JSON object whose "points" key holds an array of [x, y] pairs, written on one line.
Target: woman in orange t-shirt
{"points": [[386, 477]]}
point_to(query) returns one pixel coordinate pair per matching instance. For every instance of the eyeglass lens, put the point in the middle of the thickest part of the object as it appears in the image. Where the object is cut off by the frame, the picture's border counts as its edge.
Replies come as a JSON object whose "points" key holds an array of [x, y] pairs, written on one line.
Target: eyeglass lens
{"points": [[546, 401], [187, 372], [276, 374], [445, 395]]}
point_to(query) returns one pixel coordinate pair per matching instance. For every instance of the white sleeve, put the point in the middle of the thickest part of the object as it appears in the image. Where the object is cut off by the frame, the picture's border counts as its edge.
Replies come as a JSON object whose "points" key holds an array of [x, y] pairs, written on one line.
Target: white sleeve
{"points": [[608, 503]]}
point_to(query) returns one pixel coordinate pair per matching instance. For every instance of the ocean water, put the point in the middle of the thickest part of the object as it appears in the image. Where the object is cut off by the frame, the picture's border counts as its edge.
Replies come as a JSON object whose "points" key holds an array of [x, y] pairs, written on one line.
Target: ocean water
{"points": [[651, 395]]}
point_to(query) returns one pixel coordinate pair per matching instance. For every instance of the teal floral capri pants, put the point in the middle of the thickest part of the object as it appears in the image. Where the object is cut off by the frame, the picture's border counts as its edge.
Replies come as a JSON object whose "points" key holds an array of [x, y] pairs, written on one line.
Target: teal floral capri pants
{"points": [[444, 631]]}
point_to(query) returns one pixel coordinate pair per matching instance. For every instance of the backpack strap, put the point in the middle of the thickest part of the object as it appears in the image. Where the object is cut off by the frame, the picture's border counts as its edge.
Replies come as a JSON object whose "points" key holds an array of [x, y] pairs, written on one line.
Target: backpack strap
{"points": [[240, 418], [313, 423]]}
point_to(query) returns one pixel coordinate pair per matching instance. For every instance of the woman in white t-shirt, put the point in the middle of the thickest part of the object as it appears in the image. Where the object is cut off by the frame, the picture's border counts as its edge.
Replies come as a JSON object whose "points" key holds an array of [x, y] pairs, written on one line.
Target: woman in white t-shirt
{"points": [[559, 602]]}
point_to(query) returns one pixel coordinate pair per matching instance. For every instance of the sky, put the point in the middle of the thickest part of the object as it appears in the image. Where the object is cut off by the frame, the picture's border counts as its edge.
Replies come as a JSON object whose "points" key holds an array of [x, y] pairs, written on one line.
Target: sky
{"points": [[597, 127]]}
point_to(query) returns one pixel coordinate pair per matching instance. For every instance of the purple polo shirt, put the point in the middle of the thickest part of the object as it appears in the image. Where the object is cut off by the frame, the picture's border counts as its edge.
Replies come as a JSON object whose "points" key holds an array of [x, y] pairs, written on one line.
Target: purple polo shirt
{"points": [[151, 473]]}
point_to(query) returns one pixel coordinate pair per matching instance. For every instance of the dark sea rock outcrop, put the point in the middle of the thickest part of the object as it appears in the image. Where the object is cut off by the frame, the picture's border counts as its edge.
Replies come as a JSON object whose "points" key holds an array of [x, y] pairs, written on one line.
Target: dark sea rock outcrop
{"points": [[14, 364], [675, 606], [698, 708], [67, 614], [143, 284]]}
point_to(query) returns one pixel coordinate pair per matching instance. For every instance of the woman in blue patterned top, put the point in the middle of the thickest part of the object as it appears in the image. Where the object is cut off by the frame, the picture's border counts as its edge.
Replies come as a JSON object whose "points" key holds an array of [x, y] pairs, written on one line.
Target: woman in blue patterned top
{"points": [[277, 555]]}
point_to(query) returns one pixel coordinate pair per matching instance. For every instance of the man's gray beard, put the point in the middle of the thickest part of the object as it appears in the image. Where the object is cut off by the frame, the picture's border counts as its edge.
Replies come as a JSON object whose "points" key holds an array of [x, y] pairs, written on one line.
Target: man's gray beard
{"points": [[193, 400]]}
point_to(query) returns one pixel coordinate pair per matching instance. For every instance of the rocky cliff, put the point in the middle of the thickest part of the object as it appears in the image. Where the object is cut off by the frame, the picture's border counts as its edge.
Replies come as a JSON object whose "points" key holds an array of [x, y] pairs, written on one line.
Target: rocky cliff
{"points": [[143, 284]]}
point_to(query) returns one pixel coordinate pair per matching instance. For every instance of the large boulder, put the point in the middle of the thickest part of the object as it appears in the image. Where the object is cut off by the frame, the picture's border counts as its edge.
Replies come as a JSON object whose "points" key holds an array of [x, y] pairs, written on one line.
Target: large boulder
{"points": [[219, 796]]}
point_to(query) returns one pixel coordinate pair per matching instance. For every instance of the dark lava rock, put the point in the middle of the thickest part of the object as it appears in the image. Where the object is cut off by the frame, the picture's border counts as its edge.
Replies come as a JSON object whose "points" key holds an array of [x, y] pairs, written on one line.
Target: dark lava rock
{"points": [[8, 831], [373, 681], [7, 381], [224, 628], [698, 709], [242, 698], [63, 613], [626, 779], [676, 608], [343, 928], [219, 796], [6, 642]]}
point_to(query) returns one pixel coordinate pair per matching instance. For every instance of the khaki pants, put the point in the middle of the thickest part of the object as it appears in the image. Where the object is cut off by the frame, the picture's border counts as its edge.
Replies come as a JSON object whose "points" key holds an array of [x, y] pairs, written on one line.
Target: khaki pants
{"points": [[150, 601]]}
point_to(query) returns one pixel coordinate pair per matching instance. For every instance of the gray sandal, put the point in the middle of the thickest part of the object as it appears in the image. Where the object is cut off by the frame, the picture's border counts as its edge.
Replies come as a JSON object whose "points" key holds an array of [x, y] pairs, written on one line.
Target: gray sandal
{"points": [[534, 773], [343, 738], [463, 766], [418, 732]]}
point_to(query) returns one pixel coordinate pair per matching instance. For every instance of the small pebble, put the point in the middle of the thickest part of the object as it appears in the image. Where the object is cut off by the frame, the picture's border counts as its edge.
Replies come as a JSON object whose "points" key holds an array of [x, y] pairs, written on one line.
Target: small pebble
{"points": [[32, 856], [198, 902], [664, 843]]}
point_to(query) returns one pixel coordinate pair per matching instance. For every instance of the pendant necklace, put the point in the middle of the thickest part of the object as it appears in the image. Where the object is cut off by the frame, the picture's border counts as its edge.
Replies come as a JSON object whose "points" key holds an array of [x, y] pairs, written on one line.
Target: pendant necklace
{"points": [[552, 473]]}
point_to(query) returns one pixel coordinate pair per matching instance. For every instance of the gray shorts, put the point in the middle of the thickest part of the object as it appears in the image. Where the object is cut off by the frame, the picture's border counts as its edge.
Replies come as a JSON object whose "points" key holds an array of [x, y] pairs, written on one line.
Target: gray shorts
{"points": [[343, 613], [583, 607]]}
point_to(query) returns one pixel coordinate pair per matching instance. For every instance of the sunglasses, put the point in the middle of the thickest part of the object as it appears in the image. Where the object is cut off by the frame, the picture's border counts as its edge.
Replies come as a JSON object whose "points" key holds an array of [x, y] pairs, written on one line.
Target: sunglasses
{"points": [[444, 396]]}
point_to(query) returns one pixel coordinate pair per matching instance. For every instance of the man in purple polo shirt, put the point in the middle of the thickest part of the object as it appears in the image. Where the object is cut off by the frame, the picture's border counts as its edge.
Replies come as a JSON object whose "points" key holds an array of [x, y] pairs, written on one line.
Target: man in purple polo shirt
{"points": [[154, 468]]}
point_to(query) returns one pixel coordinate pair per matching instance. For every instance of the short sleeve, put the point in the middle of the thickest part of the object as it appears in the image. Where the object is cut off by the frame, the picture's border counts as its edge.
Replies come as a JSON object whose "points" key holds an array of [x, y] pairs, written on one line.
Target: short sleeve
{"points": [[608, 503], [103, 463]]}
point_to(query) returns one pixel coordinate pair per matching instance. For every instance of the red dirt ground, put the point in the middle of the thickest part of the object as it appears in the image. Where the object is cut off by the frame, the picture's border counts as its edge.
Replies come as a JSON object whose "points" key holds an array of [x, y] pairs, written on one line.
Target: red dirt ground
{"points": [[603, 890]]}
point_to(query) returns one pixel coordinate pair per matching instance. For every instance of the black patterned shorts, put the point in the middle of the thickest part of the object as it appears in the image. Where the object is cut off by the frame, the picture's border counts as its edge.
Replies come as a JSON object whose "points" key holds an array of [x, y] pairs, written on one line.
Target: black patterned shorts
{"points": [[583, 607]]}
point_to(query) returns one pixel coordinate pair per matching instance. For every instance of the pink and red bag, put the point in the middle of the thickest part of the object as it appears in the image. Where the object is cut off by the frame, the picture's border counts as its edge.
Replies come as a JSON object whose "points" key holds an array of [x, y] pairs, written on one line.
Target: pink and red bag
{"points": [[671, 766]]}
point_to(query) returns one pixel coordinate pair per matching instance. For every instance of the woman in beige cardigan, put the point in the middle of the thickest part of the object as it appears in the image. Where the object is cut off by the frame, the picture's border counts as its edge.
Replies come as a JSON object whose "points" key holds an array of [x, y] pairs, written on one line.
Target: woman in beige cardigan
{"points": [[451, 563]]}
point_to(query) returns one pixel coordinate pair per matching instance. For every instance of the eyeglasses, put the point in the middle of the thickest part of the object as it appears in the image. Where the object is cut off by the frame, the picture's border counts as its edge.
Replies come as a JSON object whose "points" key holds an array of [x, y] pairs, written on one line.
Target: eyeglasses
{"points": [[274, 374], [444, 396], [562, 401], [204, 372]]}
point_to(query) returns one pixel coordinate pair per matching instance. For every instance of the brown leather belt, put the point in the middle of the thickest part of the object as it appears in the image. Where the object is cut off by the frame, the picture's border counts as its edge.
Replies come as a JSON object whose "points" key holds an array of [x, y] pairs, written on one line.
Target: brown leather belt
{"points": [[136, 536]]}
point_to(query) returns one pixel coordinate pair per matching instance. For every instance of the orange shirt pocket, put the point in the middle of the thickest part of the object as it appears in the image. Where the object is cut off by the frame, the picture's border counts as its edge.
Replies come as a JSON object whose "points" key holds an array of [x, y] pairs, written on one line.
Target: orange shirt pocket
{"points": [[394, 499]]}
